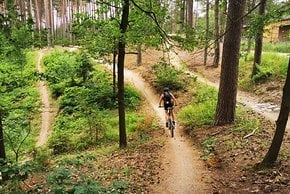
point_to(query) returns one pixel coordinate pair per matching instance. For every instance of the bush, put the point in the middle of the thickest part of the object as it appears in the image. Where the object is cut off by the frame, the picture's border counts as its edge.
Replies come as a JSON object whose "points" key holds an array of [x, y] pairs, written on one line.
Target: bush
{"points": [[201, 111], [168, 76]]}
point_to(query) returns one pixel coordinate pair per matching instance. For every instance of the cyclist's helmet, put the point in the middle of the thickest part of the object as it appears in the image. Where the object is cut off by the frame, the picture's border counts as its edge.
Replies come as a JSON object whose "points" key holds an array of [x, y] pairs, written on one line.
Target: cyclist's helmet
{"points": [[166, 89]]}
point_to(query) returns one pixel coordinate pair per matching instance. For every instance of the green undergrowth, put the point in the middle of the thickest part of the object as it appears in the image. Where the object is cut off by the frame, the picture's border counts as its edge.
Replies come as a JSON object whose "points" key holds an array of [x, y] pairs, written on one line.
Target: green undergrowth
{"points": [[88, 113], [273, 67], [201, 109], [282, 47], [199, 115], [166, 75], [20, 104]]}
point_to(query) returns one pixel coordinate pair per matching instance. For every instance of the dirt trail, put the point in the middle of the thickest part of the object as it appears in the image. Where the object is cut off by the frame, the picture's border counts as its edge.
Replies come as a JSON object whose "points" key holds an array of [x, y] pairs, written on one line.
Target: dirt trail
{"points": [[46, 111], [182, 169], [244, 98]]}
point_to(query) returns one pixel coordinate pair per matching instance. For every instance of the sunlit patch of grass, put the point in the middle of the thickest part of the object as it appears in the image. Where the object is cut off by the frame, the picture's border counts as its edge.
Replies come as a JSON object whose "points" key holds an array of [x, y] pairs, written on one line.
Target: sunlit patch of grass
{"points": [[282, 47]]}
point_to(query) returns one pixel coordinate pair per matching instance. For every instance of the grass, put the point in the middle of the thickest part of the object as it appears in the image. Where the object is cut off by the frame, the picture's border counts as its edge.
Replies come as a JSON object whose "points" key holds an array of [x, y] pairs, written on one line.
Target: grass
{"points": [[273, 66], [283, 47]]}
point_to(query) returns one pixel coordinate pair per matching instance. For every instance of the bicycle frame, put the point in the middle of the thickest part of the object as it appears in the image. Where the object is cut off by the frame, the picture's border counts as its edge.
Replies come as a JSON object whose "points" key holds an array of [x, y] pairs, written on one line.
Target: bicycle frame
{"points": [[170, 121]]}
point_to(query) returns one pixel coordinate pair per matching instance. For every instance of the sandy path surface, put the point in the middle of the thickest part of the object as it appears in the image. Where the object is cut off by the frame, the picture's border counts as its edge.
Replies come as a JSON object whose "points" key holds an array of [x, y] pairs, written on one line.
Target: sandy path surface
{"points": [[182, 169], [46, 110]]}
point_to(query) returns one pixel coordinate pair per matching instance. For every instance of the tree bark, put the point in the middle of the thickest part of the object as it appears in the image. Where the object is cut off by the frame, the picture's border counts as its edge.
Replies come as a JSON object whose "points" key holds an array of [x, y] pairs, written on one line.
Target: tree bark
{"points": [[281, 123], [139, 54], [226, 105], [2, 148], [182, 13], [206, 32], [189, 13], [47, 22], [121, 59], [216, 35], [259, 39]]}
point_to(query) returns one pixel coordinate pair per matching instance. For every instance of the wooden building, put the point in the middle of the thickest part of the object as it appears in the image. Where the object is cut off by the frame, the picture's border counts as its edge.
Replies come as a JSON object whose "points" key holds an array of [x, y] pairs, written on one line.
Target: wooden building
{"points": [[278, 32]]}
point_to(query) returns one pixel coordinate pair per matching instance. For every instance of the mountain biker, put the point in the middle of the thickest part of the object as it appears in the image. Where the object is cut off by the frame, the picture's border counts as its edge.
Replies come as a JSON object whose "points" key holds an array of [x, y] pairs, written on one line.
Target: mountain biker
{"points": [[168, 101]]}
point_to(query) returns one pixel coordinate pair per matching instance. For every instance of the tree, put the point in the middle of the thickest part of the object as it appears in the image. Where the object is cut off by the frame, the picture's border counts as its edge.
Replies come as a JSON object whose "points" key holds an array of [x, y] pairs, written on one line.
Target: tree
{"points": [[216, 34], [259, 38], [206, 32], [190, 13], [120, 63], [281, 123], [226, 105], [2, 147]]}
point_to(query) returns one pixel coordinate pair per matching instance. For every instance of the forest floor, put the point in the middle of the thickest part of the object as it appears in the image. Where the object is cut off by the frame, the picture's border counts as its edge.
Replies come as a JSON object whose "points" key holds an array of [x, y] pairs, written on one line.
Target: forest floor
{"points": [[231, 169]]}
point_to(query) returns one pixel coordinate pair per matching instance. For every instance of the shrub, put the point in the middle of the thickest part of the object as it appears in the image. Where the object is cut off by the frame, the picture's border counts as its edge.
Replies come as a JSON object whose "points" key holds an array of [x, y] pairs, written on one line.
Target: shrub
{"points": [[202, 108], [168, 76]]}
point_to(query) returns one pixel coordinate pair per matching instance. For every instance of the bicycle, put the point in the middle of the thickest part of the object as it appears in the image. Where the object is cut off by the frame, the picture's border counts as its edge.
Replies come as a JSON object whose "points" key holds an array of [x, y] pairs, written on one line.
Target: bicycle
{"points": [[171, 125]]}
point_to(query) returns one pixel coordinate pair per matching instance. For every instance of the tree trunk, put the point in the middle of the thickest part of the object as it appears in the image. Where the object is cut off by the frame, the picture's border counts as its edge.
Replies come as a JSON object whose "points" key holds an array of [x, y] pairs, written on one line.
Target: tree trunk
{"points": [[114, 73], [259, 39], [189, 13], [281, 123], [47, 23], [250, 6], [121, 59], [182, 13], [226, 106], [216, 35], [2, 148], [206, 32], [223, 14], [139, 54]]}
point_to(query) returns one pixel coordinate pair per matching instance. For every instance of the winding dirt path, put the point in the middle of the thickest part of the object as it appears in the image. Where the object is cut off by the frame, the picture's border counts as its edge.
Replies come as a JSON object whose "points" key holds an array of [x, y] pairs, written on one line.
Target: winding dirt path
{"points": [[47, 113], [242, 97], [182, 169]]}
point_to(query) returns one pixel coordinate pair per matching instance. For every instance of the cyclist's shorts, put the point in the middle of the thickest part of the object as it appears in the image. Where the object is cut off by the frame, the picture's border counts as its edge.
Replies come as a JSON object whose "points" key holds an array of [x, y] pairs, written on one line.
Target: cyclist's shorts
{"points": [[166, 106]]}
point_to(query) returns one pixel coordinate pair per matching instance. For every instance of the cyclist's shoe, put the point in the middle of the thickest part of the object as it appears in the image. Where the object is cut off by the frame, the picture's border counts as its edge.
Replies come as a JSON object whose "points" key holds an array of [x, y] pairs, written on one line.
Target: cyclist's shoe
{"points": [[166, 124]]}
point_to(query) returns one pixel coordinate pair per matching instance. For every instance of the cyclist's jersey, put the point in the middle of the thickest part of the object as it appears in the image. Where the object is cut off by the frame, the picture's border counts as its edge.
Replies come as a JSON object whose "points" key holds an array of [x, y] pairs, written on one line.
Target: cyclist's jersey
{"points": [[167, 99]]}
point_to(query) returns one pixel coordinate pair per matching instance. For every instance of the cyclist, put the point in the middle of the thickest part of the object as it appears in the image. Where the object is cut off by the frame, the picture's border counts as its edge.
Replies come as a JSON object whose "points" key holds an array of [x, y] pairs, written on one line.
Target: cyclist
{"points": [[168, 101]]}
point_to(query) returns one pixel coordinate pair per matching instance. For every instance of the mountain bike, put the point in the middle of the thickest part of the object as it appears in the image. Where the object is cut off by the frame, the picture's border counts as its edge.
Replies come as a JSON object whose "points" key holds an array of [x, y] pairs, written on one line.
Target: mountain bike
{"points": [[171, 125]]}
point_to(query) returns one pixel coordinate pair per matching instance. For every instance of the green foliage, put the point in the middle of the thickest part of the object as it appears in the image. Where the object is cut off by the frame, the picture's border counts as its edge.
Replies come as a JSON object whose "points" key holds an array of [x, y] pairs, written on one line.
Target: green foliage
{"points": [[19, 104], [168, 76], [132, 97], [246, 122], [281, 47], [62, 181], [201, 111], [87, 106], [273, 66], [209, 146]]}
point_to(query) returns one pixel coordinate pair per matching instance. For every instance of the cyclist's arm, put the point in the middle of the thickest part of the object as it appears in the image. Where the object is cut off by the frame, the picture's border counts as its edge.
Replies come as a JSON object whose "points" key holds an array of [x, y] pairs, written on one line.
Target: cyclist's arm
{"points": [[174, 99], [160, 100]]}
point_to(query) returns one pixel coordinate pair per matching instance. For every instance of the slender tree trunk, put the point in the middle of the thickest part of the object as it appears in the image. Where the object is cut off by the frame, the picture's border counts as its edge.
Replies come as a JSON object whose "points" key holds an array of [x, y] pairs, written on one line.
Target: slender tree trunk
{"points": [[114, 73], [226, 105], [259, 39], [2, 148], [139, 54], [206, 32], [182, 13], [47, 23], [250, 5], [189, 13], [281, 123], [216, 35], [223, 14], [121, 59]]}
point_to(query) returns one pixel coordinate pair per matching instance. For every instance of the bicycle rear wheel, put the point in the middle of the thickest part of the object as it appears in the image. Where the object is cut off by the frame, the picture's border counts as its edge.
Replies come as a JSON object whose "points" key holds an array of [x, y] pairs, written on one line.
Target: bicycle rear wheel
{"points": [[171, 127]]}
